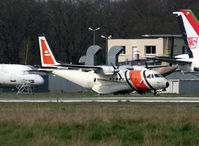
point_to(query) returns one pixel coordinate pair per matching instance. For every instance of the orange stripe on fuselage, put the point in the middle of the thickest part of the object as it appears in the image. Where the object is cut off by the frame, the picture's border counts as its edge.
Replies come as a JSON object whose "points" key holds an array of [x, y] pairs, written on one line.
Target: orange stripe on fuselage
{"points": [[47, 58], [136, 79]]}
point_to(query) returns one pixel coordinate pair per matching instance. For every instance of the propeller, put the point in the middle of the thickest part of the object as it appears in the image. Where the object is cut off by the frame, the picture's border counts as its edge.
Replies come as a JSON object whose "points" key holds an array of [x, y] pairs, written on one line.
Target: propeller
{"points": [[146, 65], [116, 70]]}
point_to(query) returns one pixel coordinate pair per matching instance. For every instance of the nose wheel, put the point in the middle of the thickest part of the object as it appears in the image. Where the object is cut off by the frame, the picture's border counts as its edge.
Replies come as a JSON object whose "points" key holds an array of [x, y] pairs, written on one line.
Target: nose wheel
{"points": [[155, 93]]}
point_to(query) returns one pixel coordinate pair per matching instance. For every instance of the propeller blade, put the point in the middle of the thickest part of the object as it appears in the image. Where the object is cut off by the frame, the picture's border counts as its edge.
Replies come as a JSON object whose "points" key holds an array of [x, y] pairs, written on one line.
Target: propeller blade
{"points": [[113, 66], [116, 70], [146, 65], [120, 75]]}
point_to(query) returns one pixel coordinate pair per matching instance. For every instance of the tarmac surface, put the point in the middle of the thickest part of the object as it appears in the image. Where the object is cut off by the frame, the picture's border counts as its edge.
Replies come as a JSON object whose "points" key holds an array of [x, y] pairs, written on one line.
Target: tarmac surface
{"points": [[105, 99]]}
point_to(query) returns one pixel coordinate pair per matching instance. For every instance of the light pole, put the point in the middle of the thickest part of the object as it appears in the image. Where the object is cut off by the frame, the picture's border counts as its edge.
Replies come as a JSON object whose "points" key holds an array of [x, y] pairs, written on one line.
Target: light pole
{"points": [[107, 38], [93, 30]]}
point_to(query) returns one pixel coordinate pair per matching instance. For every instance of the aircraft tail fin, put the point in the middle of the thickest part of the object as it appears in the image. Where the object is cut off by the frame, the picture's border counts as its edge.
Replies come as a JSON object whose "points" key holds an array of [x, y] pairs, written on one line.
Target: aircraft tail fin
{"points": [[189, 25], [47, 57]]}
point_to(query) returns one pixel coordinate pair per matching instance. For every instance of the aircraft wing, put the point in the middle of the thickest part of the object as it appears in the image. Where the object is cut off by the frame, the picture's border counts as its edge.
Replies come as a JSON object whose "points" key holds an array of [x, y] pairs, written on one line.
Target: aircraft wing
{"points": [[156, 66], [87, 67], [41, 70], [164, 71], [103, 70], [171, 60]]}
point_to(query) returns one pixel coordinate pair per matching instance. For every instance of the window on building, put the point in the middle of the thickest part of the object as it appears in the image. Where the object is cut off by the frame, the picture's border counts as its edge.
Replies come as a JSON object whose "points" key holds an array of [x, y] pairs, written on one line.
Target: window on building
{"points": [[150, 49]]}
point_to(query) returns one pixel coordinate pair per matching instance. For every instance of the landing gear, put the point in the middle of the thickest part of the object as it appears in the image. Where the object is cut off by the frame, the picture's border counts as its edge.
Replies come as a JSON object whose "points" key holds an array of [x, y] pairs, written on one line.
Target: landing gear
{"points": [[141, 92], [155, 93]]}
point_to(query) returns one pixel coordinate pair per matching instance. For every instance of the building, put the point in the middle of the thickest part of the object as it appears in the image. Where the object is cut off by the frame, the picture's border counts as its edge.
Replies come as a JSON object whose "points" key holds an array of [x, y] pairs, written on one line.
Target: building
{"points": [[142, 48], [183, 86]]}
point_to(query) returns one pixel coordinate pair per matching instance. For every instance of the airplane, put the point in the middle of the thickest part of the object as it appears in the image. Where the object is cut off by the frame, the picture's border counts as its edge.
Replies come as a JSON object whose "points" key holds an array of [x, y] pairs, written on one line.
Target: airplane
{"points": [[102, 79], [16, 75], [188, 63]]}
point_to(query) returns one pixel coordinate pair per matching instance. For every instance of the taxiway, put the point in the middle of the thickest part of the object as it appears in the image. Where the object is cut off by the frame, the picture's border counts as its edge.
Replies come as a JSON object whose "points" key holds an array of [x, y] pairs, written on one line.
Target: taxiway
{"points": [[104, 99]]}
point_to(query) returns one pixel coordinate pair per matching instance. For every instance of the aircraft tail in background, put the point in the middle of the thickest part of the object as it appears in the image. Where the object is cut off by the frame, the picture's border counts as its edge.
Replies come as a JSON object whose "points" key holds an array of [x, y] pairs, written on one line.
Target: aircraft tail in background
{"points": [[190, 28]]}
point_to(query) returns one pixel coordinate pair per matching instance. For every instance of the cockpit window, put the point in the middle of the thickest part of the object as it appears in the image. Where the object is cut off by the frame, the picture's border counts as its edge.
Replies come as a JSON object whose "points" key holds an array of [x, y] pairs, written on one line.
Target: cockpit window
{"points": [[149, 76], [154, 76], [158, 75]]}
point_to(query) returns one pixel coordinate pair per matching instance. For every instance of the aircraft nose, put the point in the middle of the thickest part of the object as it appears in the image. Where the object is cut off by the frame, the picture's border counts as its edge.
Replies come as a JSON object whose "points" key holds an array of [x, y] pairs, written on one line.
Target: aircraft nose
{"points": [[167, 84], [39, 80]]}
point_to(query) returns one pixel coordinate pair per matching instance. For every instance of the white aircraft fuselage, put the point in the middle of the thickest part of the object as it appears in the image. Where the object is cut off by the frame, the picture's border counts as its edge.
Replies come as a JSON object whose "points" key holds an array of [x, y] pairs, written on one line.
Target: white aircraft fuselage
{"points": [[12, 75], [130, 80], [191, 67]]}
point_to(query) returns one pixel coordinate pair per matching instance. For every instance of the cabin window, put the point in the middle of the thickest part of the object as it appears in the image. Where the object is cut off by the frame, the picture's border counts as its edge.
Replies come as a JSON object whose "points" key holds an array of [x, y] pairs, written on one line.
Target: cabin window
{"points": [[94, 79], [12, 81]]}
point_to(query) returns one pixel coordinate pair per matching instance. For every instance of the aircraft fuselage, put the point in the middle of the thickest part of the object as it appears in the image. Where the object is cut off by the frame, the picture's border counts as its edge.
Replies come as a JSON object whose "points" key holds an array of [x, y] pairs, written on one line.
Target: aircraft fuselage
{"points": [[15, 74], [140, 80]]}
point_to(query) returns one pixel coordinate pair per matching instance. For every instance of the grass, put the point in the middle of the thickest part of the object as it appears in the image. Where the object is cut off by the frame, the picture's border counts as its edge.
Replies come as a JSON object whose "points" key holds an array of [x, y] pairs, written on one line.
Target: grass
{"points": [[99, 124]]}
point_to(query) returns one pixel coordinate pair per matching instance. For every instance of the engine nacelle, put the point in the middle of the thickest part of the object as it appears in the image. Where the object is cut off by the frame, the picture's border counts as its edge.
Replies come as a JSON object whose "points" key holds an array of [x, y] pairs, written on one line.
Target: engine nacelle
{"points": [[139, 68], [108, 70]]}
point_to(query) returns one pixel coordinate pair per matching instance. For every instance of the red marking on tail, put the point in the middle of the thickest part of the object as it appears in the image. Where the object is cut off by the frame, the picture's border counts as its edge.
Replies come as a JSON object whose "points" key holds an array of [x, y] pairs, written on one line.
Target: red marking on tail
{"points": [[192, 19], [47, 58]]}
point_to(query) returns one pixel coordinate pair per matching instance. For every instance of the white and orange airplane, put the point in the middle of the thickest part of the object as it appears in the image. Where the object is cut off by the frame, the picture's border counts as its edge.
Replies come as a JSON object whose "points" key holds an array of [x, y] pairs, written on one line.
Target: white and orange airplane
{"points": [[189, 26], [102, 79]]}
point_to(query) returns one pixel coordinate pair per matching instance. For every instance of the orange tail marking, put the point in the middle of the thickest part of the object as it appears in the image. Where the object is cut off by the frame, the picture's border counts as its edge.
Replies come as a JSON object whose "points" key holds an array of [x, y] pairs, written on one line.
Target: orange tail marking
{"points": [[47, 58]]}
